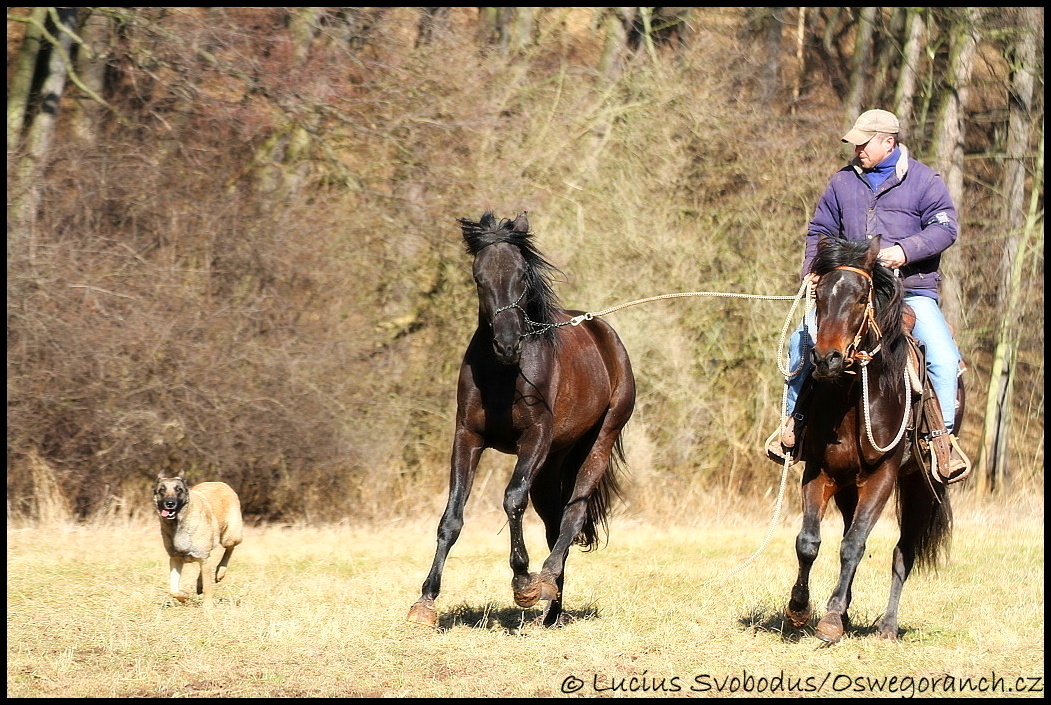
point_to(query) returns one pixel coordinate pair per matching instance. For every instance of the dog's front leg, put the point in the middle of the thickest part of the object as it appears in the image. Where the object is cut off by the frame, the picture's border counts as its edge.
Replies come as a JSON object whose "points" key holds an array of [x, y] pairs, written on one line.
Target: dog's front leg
{"points": [[175, 564]]}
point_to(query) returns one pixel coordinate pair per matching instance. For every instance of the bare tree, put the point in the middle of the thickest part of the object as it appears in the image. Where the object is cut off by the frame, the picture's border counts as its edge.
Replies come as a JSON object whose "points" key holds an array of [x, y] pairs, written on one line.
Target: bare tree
{"points": [[949, 142], [26, 192], [859, 73], [92, 56], [992, 468], [915, 31], [21, 81], [616, 23]]}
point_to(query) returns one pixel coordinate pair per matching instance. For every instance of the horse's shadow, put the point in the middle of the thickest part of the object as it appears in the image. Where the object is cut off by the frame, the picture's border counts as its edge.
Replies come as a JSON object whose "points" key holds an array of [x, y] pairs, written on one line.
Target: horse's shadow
{"points": [[511, 620], [774, 621]]}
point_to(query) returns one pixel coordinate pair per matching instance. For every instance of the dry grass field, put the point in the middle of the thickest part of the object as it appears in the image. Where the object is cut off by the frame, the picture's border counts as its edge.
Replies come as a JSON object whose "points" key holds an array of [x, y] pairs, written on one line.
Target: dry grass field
{"points": [[320, 611]]}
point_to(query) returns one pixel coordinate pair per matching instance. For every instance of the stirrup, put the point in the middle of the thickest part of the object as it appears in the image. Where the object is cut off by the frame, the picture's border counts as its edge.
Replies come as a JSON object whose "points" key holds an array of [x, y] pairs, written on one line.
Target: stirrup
{"points": [[949, 464], [776, 448]]}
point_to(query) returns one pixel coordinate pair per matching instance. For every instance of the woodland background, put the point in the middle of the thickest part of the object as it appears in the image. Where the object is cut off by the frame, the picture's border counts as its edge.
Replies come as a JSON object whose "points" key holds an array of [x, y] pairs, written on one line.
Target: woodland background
{"points": [[232, 247]]}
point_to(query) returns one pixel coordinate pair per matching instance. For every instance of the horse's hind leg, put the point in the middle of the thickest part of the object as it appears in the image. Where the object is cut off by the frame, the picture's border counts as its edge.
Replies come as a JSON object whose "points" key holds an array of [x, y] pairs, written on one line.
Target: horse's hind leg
{"points": [[546, 495], [920, 514], [817, 489], [590, 476], [467, 449]]}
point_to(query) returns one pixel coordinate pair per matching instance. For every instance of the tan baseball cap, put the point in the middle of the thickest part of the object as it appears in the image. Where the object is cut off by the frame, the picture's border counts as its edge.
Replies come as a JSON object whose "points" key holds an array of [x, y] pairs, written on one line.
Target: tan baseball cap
{"points": [[869, 123]]}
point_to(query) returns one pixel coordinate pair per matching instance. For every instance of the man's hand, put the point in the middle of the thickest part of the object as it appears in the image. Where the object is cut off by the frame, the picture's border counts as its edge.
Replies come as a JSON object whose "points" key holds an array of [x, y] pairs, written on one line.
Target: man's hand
{"points": [[892, 256]]}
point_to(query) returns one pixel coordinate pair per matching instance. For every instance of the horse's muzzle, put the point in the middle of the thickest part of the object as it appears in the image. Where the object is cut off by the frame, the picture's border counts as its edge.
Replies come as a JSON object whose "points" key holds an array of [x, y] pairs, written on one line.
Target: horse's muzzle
{"points": [[828, 366], [507, 353]]}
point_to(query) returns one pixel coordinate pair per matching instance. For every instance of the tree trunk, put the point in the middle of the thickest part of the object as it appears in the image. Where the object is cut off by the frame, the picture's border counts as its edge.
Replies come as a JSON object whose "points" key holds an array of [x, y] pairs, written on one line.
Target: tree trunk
{"points": [[797, 84], [948, 148], [771, 76], [521, 29], [25, 196], [302, 27], [862, 51], [992, 468], [21, 82], [915, 31], [616, 21], [91, 68], [890, 46]]}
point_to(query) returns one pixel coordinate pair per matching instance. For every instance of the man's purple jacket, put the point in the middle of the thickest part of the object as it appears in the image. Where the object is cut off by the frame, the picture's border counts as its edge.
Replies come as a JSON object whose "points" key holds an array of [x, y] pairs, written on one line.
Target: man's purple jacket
{"points": [[912, 208]]}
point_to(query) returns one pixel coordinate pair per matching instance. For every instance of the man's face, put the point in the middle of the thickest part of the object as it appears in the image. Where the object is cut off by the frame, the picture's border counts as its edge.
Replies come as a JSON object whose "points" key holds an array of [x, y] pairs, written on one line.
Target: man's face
{"points": [[874, 151]]}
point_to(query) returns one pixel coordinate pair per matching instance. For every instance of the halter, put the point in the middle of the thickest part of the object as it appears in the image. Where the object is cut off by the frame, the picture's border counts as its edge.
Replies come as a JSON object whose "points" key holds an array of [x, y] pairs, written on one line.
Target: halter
{"points": [[861, 356], [535, 328], [513, 304]]}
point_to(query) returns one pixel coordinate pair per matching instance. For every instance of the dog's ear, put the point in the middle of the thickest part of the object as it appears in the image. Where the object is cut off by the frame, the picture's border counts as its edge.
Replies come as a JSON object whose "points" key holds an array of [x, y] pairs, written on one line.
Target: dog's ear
{"points": [[167, 474]]}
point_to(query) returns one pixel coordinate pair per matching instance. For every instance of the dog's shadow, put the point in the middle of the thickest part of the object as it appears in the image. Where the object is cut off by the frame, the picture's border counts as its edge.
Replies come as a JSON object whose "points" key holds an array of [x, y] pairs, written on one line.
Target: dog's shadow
{"points": [[774, 621], [511, 620]]}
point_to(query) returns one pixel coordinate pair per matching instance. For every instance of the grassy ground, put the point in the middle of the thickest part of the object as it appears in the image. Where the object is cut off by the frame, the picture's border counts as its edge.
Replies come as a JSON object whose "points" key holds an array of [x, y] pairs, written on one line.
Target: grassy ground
{"points": [[321, 612]]}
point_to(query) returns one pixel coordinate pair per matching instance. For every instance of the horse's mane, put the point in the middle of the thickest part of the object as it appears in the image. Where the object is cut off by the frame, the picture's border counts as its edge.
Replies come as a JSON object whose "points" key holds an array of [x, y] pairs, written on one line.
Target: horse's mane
{"points": [[541, 302], [889, 298]]}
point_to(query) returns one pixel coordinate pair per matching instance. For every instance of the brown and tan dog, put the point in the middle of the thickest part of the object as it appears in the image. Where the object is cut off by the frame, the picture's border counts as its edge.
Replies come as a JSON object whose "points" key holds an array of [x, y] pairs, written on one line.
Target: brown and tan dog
{"points": [[194, 521]]}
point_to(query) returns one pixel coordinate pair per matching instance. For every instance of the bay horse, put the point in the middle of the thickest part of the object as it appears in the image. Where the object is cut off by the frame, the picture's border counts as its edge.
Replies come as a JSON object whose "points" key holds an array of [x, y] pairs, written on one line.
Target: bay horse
{"points": [[860, 336], [555, 395]]}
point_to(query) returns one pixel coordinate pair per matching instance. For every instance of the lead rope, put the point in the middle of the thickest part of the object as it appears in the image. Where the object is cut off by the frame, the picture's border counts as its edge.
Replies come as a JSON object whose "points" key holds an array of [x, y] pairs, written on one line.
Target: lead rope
{"points": [[806, 291], [577, 320]]}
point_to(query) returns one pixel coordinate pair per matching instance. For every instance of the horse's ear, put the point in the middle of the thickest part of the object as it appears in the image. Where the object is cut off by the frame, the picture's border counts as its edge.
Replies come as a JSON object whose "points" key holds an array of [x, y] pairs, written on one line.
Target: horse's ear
{"points": [[487, 220], [873, 252], [521, 224]]}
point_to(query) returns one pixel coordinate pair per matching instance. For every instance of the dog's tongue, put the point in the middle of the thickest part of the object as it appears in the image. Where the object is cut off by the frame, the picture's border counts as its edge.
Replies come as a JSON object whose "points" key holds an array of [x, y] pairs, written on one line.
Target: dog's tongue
{"points": [[167, 513]]}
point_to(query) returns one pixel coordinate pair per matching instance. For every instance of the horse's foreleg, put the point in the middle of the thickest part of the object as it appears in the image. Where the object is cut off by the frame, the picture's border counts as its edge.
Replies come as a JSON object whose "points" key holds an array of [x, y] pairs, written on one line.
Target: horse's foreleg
{"points": [[817, 489], [872, 498], [467, 449], [533, 450], [847, 501]]}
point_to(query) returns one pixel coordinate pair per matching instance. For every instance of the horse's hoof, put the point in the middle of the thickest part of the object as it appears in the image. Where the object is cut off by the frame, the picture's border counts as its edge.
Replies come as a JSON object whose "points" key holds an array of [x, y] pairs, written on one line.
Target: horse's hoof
{"points": [[890, 633], [423, 612], [798, 618], [180, 596], [548, 591], [527, 589], [553, 616], [829, 629]]}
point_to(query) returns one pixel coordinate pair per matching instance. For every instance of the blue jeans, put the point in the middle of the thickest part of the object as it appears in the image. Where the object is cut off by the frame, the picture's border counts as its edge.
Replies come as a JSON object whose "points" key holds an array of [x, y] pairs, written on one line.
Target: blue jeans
{"points": [[943, 357]]}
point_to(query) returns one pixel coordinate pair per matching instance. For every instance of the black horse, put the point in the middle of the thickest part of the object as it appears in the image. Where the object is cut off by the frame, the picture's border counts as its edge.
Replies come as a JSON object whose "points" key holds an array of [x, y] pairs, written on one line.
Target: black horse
{"points": [[554, 394], [854, 444]]}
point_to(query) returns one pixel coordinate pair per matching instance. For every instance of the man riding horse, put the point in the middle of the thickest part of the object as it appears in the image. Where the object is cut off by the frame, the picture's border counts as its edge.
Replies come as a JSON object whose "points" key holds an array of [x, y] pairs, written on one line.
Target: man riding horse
{"points": [[885, 192]]}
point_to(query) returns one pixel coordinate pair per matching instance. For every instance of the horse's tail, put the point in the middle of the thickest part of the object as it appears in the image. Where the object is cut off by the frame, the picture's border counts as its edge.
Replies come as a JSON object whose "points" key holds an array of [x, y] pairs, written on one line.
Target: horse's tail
{"points": [[925, 518], [601, 500]]}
